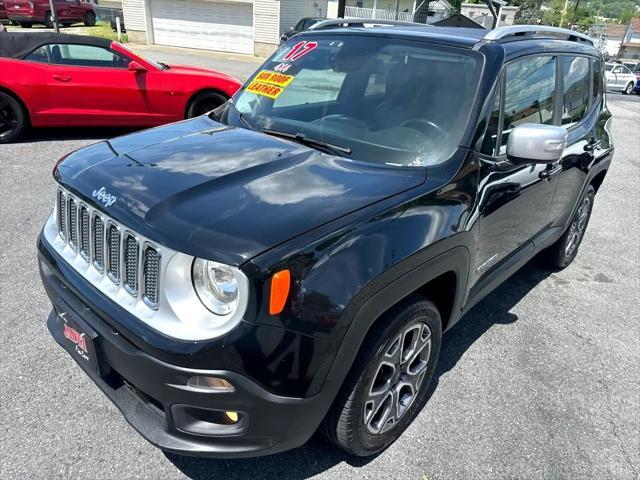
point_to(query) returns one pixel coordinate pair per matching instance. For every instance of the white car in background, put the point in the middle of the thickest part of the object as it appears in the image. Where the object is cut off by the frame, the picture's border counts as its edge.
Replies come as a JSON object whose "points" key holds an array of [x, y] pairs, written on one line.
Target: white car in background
{"points": [[619, 78]]}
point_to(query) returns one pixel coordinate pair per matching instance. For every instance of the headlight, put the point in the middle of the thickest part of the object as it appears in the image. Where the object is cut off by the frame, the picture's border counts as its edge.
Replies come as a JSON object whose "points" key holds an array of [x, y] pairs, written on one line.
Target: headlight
{"points": [[217, 286]]}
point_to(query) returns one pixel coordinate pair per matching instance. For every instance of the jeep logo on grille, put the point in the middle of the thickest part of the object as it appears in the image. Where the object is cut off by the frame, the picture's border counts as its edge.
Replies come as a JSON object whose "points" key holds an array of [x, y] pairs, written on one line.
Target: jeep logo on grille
{"points": [[102, 196]]}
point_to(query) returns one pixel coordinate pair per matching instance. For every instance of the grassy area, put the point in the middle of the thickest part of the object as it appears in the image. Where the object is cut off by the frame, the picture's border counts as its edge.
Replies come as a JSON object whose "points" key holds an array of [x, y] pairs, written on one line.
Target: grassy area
{"points": [[101, 29]]}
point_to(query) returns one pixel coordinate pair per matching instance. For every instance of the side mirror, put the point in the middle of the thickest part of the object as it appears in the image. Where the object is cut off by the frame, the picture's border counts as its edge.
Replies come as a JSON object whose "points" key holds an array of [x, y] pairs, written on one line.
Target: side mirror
{"points": [[536, 143], [136, 67]]}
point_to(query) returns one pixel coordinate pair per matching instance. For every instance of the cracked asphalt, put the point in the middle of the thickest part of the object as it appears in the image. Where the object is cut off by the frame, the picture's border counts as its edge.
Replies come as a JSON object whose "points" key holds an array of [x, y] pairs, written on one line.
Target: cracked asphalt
{"points": [[540, 380]]}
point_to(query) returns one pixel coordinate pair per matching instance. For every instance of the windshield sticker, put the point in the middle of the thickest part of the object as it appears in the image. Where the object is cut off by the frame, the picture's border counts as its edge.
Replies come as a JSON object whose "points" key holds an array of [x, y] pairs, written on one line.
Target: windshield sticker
{"points": [[282, 67], [299, 50], [265, 89], [273, 78]]}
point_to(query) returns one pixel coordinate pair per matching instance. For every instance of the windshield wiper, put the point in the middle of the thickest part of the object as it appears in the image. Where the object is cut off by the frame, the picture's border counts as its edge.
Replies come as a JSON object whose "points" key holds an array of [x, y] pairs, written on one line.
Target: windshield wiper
{"points": [[164, 66], [310, 142]]}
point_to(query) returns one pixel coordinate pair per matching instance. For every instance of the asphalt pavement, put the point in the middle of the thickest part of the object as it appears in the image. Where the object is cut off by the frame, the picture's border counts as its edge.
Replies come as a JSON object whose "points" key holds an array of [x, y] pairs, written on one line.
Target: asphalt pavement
{"points": [[540, 380]]}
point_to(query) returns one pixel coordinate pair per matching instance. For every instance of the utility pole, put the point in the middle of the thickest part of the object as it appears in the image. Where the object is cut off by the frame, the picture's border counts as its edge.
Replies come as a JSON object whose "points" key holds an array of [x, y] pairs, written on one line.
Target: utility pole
{"points": [[54, 16], [564, 12]]}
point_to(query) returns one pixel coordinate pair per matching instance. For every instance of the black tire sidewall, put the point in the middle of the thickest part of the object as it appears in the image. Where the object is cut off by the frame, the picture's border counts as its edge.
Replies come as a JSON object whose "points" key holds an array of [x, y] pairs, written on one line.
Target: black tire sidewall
{"points": [[48, 21], [628, 89], [202, 96], [22, 119], [562, 259], [90, 19], [366, 444]]}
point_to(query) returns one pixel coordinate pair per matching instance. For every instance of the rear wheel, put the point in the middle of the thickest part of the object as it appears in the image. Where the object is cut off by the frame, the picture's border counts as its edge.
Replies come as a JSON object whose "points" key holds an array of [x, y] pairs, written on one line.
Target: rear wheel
{"points": [[90, 19], [562, 253], [388, 383], [204, 102], [628, 89], [48, 20], [13, 118], [26, 24]]}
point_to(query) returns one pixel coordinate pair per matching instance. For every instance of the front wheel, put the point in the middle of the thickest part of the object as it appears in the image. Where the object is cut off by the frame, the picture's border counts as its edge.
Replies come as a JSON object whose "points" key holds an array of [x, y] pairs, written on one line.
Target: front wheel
{"points": [[13, 118], [90, 19], [628, 89], [562, 253], [389, 380], [204, 102]]}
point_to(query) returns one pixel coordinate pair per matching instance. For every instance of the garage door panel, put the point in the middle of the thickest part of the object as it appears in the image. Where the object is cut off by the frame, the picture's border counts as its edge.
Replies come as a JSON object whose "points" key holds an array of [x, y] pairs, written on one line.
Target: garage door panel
{"points": [[223, 26]]}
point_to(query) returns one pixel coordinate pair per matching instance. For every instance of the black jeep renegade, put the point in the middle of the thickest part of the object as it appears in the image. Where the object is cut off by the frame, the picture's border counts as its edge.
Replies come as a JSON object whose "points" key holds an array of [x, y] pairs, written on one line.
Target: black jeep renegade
{"points": [[290, 261]]}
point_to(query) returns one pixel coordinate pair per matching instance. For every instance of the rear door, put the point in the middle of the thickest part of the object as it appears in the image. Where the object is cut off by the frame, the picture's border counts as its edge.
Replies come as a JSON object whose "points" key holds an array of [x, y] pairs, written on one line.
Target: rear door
{"points": [[94, 85]]}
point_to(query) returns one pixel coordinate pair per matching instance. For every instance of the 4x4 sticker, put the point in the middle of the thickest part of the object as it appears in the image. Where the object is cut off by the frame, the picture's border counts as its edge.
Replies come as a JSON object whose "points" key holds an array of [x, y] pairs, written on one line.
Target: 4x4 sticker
{"points": [[269, 84], [299, 50]]}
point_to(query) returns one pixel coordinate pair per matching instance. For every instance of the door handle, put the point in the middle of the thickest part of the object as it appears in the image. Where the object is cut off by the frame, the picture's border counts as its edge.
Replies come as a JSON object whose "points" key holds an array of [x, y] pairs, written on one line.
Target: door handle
{"points": [[61, 78], [550, 172]]}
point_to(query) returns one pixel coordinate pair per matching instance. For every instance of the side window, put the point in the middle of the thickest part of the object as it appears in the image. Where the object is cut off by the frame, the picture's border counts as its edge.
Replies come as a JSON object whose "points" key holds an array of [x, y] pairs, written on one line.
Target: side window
{"points": [[529, 94], [617, 70], [597, 79], [318, 86], [38, 55], [575, 71], [86, 56]]}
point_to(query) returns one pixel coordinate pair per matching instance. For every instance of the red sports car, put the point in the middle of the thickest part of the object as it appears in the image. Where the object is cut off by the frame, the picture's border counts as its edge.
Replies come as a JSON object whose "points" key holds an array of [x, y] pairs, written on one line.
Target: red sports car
{"points": [[53, 80]]}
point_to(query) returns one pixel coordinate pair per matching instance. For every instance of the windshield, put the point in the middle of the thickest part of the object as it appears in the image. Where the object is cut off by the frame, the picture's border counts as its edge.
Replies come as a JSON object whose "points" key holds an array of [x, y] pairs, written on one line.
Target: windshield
{"points": [[387, 101], [148, 60]]}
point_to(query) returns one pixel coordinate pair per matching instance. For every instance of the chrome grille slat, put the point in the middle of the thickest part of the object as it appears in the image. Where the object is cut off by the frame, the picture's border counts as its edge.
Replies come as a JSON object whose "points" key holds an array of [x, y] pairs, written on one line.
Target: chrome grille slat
{"points": [[131, 263], [85, 239], [73, 223], [98, 243], [113, 252], [151, 269]]}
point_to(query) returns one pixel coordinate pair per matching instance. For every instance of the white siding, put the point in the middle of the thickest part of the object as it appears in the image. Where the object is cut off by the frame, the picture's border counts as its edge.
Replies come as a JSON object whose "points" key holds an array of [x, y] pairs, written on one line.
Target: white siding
{"points": [[293, 10], [135, 17], [266, 21]]}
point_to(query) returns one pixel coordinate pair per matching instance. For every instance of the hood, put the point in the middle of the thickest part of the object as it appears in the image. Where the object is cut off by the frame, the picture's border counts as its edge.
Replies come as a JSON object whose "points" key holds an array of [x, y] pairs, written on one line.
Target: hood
{"points": [[191, 70], [223, 193]]}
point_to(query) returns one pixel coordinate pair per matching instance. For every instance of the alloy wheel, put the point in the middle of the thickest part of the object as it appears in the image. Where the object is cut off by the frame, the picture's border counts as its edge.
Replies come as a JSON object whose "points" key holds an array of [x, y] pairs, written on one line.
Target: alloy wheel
{"points": [[8, 118], [398, 378], [578, 226]]}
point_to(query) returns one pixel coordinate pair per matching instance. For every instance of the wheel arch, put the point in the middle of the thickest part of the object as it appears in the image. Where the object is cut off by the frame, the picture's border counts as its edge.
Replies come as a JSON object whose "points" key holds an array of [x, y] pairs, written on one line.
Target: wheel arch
{"points": [[442, 280]]}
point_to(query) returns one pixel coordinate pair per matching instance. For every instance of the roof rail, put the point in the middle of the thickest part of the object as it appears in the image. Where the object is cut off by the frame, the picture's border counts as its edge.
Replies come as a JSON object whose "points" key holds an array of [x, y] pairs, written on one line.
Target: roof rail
{"points": [[505, 33], [361, 22]]}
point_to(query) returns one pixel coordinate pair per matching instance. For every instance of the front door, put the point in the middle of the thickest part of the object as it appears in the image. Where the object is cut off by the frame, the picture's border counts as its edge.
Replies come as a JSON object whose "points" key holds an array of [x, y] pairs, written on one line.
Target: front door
{"points": [[514, 198], [94, 85]]}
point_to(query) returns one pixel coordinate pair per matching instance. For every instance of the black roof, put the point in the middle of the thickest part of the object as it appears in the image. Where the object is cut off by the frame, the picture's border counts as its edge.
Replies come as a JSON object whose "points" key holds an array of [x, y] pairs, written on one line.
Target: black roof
{"points": [[18, 45]]}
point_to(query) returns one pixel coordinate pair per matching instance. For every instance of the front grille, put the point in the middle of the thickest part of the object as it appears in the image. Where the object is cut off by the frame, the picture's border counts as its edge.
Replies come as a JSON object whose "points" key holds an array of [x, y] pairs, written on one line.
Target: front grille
{"points": [[84, 232], [151, 268], [98, 243], [73, 222], [133, 264]]}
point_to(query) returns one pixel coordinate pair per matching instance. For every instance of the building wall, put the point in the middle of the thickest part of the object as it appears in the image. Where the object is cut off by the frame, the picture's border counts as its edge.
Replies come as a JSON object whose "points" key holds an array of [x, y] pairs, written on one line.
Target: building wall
{"points": [[481, 14], [293, 10], [612, 45], [135, 19]]}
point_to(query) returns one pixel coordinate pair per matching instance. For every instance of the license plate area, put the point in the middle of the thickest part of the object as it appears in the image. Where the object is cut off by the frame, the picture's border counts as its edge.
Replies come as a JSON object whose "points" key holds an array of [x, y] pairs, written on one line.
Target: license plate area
{"points": [[80, 340]]}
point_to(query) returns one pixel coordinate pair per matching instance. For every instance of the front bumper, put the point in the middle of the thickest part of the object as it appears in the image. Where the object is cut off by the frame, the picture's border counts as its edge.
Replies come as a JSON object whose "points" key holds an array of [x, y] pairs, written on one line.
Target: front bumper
{"points": [[147, 390]]}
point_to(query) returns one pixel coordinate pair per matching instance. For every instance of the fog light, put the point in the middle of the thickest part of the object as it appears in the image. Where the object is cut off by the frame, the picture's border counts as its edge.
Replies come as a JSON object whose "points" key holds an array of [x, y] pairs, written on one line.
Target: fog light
{"points": [[233, 416], [210, 383]]}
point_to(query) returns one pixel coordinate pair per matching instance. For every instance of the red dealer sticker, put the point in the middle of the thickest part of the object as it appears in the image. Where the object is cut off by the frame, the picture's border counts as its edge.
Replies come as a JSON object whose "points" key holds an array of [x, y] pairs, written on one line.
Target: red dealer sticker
{"points": [[299, 50]]}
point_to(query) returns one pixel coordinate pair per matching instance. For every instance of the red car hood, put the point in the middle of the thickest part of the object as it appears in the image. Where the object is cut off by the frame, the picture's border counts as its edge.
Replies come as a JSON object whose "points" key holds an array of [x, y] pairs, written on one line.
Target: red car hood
{"points": [[188, 69]]}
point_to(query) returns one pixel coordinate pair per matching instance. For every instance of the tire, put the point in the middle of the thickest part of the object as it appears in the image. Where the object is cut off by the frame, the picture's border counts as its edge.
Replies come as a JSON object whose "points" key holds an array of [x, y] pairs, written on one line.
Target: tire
{"points": [[204, 102], [13, 118], [362, 420], [26, 24], [562, 253], [89, 19], [628, 89], [48, 20]]}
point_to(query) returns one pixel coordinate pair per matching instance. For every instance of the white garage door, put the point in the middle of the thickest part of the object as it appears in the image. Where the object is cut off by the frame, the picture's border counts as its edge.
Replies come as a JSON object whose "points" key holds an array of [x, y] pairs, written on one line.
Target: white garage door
{"points": [[223, 26]]}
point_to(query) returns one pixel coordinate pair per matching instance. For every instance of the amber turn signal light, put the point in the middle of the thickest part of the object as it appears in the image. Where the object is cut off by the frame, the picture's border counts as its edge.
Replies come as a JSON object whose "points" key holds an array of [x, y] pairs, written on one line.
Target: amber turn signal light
{"points": [[280, 284]]}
